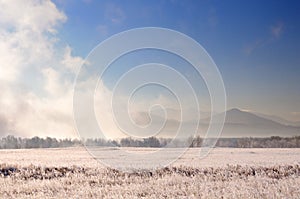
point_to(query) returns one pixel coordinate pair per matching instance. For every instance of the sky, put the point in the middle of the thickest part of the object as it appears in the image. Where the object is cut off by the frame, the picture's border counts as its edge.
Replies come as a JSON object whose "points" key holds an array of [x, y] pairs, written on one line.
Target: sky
{"points": [[255, 45]]}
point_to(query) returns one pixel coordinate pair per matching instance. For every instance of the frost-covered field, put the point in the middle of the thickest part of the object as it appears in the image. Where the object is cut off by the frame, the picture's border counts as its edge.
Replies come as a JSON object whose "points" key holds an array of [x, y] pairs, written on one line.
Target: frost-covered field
{"points": [[227, 173]]}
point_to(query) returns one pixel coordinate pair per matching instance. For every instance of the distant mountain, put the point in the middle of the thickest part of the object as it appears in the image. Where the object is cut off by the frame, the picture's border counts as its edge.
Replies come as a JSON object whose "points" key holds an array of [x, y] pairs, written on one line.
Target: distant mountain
{"points": [[237, 124], [236, 116], [245, 124], [278, 119]]}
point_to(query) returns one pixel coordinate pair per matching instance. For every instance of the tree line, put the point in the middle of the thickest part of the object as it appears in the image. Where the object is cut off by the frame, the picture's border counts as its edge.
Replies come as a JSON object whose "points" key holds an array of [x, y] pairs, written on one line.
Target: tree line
{"points": [[11, 142], [268, 142]]}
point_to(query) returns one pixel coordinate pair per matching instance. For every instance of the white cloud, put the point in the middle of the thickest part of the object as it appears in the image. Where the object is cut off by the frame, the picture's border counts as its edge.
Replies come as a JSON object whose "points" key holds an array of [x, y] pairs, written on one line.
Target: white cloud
{"points": [[70, 62], [53, 85], [104, 113], [37, 16], [36, 87], [23, 35]]}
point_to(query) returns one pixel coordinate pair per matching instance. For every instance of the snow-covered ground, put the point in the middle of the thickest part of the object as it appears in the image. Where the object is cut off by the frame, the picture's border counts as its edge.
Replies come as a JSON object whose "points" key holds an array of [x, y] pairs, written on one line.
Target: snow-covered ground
{"points": [[216, 158], [224, 173]]}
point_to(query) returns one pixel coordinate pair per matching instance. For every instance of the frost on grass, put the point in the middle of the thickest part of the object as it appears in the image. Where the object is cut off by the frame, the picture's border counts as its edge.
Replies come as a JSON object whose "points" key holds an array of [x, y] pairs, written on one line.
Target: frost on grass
{"points": [[230, 172], [225, 173], [232, 181]]}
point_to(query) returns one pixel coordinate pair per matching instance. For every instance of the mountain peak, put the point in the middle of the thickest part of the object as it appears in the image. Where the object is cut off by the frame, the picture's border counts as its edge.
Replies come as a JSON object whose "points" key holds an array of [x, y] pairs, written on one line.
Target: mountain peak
{"points": [[234, 110]]}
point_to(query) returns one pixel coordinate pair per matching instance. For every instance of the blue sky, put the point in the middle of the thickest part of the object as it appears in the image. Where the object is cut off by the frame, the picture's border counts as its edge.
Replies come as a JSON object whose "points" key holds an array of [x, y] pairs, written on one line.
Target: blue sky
{"points": [[255, 44]]}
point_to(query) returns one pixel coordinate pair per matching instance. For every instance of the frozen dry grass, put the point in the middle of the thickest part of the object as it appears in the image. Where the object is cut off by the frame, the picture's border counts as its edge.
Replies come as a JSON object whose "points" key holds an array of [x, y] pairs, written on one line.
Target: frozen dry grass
{"points": [[227, 173]]}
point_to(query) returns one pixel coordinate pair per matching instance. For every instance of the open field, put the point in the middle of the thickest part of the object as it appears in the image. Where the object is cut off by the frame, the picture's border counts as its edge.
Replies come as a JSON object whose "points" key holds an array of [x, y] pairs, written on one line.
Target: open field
{"points": [[227, 173]]}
